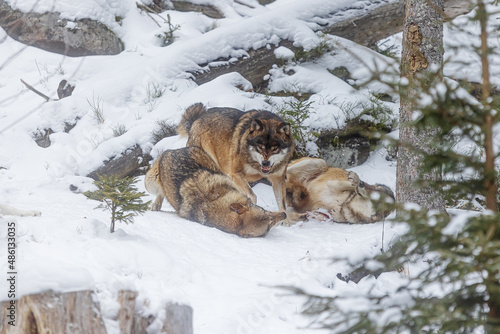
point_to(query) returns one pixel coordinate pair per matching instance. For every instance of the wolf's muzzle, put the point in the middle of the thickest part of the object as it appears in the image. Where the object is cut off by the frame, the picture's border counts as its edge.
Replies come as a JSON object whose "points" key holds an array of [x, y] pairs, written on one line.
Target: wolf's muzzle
{"points": [[265, 166]]}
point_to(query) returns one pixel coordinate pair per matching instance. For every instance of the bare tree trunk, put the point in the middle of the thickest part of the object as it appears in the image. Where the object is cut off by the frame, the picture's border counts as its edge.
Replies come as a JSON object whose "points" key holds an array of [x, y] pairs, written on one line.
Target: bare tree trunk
{"points": [[491, 187], [422, 48], [489, 168]]}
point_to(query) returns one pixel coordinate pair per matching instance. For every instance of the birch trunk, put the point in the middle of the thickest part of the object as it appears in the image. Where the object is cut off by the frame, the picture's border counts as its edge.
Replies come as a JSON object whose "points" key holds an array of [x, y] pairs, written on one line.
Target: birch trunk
{"points": [[422, 50]]}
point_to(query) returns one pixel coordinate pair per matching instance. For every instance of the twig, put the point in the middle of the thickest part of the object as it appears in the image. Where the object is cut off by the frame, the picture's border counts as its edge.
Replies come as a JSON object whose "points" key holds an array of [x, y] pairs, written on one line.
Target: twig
{"points": [[383, 233], [148, 12], [244, 4], [35, 91]]}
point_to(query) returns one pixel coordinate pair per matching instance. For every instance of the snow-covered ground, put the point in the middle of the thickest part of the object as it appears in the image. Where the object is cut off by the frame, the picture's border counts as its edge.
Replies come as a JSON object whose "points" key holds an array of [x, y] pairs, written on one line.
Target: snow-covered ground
{"points": [[230, 282]]}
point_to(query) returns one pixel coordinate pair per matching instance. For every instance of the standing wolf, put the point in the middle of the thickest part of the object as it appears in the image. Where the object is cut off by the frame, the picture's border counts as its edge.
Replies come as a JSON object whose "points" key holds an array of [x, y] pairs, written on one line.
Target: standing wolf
{"points": [[198, 190], [246, 146]]}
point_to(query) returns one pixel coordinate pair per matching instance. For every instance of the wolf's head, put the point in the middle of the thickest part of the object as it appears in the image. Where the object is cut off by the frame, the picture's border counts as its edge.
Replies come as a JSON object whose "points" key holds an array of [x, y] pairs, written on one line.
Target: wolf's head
{"points": [[269, 143], [253, 221], [382, 197]]}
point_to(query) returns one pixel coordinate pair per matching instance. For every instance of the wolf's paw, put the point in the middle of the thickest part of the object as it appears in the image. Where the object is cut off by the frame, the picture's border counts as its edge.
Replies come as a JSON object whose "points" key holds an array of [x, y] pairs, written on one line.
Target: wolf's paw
{"points": [[253, 198], [156, 206], [293, 217], [353, 178], [288, 222]]}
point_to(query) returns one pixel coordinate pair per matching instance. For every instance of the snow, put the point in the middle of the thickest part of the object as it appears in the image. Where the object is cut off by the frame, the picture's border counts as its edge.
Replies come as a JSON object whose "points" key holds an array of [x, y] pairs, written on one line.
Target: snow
{"points": [[231, 283]]}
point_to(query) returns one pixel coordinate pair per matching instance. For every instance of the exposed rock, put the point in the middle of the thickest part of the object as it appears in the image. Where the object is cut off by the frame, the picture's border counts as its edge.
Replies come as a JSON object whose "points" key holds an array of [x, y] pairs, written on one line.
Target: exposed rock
{"points": [[42, 137], [208, 10], [48, 31], [265, 2], [341, 72], [343, 151], [159, 6], [64, 89], [127, 164]]}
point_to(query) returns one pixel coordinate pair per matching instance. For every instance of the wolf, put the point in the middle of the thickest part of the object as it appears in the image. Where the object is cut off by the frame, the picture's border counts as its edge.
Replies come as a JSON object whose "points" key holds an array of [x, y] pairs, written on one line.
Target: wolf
{"points": [[246, 146], [312, 185], [199, 191]]}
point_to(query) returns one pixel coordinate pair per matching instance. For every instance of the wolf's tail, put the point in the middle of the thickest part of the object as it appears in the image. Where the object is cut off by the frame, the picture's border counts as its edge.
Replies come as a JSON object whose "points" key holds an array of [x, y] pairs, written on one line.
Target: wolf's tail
{"points": [[190, 115]]}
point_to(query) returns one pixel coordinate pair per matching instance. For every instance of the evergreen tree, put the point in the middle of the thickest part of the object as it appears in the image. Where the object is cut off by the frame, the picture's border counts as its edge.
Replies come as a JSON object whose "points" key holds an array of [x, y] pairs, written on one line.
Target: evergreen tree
{"points": [[455, 288], [120, 197]]}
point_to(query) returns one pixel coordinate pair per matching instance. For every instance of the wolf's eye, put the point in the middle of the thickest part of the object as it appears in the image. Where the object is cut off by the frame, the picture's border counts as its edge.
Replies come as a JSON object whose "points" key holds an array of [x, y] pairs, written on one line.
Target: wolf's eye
{"points": [[260, 147], [275, 149]]}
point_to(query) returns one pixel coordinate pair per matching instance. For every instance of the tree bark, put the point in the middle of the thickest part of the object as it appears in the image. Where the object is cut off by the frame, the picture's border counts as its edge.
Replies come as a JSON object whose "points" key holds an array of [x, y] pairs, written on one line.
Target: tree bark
{"points": [[52, 312], [79, 312], [422, 51], [489, 168]]}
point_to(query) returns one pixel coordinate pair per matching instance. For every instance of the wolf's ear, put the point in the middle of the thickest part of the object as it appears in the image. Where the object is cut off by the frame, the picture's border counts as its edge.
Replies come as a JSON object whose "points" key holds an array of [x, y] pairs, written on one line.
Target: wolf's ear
{"points": [[238, 208], [284, 128], [256, 125]]}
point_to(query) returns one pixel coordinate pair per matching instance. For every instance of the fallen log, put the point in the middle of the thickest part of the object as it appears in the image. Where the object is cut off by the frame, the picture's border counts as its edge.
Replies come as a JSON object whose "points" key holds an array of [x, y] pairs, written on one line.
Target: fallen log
{"points": [[127, 164], [365, 28]]}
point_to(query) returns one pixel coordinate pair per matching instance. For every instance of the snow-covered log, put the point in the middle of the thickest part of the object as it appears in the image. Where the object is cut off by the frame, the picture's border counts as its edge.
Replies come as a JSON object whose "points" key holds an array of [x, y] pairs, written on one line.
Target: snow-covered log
{"points": [[363, 25], [127, 164]]}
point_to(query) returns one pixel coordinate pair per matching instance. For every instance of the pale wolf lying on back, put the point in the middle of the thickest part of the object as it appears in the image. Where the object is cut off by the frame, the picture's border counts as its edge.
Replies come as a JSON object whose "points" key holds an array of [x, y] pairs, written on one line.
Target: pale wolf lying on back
{"points": [[198, 190], [312, 185]]}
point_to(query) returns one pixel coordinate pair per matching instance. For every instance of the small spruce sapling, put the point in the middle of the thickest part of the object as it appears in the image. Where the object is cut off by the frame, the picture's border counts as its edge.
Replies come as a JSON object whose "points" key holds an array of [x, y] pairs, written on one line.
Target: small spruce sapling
{"points": [[120, 197], [296, 112]]}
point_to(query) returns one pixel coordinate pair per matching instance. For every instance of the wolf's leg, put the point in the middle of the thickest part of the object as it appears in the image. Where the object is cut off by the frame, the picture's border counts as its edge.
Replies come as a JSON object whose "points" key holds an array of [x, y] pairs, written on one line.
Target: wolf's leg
{"points": [[293, 217], [279, 189], [306, 170], [242, 184], [156, 206], [353, 183], [338, 186], [357, 184]]}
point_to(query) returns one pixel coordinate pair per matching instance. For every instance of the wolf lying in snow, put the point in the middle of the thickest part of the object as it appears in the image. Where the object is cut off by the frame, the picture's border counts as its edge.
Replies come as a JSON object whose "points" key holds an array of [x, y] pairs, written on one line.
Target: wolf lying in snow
{"points": [[199, 191], [312, 185]]}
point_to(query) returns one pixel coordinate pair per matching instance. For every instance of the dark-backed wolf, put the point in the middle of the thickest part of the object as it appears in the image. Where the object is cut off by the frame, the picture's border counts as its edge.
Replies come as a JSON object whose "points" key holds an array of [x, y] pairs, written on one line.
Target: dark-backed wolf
{"points": [[247, 146], [199, 191], [312, 185]]}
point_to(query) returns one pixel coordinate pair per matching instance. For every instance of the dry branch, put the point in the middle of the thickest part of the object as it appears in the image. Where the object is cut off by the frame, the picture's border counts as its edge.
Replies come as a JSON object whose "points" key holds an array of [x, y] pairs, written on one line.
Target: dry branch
{"points": [[34, 90]]}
